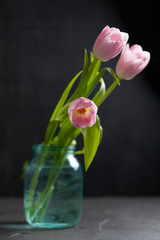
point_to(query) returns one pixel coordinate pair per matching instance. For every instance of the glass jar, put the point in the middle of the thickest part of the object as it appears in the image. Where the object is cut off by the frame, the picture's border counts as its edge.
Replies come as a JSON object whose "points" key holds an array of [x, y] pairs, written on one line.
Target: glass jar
{"points": [[53, 188]]}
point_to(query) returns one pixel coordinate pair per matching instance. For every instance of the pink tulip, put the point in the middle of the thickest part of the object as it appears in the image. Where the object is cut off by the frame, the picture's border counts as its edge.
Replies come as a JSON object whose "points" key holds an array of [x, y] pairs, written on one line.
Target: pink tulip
{"points": [[82, 113], [132, 61], [109, 43]]}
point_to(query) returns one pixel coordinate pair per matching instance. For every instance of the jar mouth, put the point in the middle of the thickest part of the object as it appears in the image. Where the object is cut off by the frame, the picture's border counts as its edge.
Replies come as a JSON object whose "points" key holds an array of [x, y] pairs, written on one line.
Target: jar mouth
{"points": [[40, 147]]}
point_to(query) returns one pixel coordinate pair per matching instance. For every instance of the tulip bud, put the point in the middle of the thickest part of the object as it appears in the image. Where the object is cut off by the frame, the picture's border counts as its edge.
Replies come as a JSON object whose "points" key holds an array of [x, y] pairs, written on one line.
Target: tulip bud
{"points": [[132, 61], [82, 113], [109, 43]]}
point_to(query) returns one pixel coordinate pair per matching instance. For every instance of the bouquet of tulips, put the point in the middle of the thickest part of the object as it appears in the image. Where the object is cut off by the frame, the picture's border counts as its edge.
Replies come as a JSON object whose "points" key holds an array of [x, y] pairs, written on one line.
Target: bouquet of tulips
{"points": [[75, 113], [78, 114]]}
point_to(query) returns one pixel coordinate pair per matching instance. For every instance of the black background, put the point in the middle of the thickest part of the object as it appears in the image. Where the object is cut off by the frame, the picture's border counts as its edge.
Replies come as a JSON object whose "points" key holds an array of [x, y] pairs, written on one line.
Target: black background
{"points": [[41, 49]]}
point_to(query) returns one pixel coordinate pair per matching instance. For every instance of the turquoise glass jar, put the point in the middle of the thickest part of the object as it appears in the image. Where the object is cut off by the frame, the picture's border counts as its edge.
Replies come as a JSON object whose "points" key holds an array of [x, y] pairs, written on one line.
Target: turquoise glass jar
{"points": [[53, 188]]}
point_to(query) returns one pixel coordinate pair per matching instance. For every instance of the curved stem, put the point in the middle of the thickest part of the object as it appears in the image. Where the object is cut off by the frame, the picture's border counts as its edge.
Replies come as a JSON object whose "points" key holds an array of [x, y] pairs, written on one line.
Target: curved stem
{"points": [[108, 92]]}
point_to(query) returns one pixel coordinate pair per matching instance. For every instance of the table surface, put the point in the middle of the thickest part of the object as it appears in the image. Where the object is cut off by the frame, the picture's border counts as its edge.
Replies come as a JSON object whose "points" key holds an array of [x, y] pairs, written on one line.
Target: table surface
{"points": [[103, 219]]}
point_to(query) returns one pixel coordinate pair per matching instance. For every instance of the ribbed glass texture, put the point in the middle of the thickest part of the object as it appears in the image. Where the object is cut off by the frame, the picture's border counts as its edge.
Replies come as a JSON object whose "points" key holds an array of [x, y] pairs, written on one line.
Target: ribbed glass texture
{"points": [[53, 188]]}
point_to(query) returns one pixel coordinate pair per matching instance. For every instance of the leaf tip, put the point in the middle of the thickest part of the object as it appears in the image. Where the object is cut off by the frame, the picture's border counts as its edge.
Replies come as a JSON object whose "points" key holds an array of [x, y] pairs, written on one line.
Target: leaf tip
{"points": [[86, 168]]}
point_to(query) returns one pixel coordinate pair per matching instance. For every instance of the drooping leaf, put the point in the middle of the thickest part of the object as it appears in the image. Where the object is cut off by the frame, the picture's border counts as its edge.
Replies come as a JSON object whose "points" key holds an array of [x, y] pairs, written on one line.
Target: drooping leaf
{"points": [[110, 70], [92, 136], [64, 97]]}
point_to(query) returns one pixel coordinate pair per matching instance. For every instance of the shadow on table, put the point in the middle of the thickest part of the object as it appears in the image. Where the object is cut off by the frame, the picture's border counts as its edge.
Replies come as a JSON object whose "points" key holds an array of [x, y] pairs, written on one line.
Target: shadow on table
{"points": [[21, 226], [5, 225], [15, 225]]}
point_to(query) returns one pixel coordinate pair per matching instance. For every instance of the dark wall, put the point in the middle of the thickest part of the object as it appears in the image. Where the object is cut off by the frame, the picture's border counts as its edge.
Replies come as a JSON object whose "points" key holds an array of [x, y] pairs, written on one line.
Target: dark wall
{"points": [[41, 48]]}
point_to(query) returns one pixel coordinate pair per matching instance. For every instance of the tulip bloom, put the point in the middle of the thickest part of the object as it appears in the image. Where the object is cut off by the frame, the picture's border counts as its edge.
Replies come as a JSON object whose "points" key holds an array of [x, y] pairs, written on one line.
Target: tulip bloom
{"points": [[132, 61], [82, 113], [109, 43]]}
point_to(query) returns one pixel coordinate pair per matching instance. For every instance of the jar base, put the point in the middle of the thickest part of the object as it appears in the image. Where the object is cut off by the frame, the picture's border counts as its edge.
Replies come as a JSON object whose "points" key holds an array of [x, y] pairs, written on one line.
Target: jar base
{"points": [[52, 225]]}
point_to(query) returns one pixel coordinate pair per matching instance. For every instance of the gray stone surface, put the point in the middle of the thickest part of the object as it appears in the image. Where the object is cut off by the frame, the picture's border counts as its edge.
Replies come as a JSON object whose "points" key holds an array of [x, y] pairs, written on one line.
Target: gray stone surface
{"points": [[103, 219]]}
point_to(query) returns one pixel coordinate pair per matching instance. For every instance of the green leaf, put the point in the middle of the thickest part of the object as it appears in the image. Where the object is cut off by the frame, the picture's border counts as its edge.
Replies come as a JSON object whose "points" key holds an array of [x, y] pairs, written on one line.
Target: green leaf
{"points": [[110, 70], [94, 69], [79, 152], [92, 136], [100, 93], [23, 169], [64, 97], [94, 82], [101, 135], [51, 128], [84, 77], [82, 87], [91, 57], [107, 93], [67, 133], [54, 141]]}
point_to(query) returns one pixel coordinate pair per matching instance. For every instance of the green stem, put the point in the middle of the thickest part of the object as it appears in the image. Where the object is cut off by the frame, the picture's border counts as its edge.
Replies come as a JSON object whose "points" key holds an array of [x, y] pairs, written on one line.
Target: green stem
{"points": [[43, 199], [107, 93], [46, 201], [32, 188]]}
